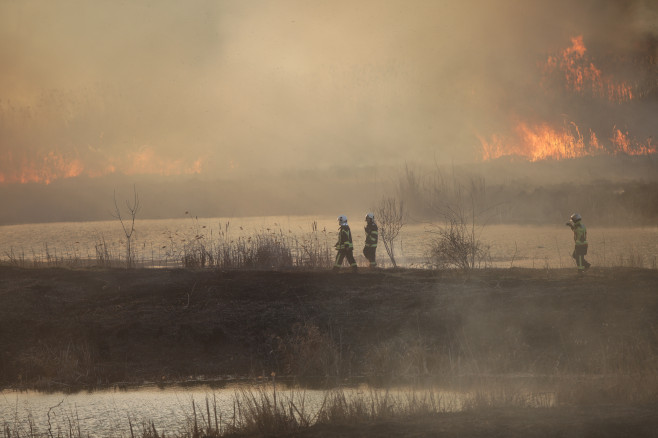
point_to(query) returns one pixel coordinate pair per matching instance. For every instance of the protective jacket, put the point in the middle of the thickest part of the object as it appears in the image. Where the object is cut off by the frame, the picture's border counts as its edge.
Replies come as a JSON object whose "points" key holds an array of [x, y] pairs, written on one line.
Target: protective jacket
{"points": [[580, 251], [344, 238], [579, 233], [372, 235]]}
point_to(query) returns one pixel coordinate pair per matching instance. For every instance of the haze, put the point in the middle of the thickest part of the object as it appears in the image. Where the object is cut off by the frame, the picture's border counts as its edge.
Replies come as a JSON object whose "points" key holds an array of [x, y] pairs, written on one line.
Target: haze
{"points": [[267, 89]]}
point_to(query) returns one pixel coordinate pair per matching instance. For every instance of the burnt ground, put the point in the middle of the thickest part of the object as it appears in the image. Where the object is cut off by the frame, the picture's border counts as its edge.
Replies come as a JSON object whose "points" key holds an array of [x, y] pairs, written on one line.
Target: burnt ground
{"points": [[65, 329]]}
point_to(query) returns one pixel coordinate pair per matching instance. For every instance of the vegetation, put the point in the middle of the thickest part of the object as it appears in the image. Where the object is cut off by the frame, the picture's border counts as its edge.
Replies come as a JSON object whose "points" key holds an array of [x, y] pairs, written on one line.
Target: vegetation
{"points": [[133, 209], [456, 240], [536, 193], [317, 326], [267, 249], [390, 217], [500, 338], [267, 410]]}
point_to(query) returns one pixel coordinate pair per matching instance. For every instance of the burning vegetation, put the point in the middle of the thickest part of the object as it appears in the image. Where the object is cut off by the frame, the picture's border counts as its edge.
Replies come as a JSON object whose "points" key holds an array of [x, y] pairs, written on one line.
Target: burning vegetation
{"points": [[571, 82], [49, 166]]}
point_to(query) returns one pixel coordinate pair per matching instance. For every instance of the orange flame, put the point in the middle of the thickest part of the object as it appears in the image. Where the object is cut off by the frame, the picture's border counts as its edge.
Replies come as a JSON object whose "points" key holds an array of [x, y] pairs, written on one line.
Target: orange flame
{"points": [[45, 170], [577, 73], [53, 166], [583, 77], [541, 142], [625, 144]]}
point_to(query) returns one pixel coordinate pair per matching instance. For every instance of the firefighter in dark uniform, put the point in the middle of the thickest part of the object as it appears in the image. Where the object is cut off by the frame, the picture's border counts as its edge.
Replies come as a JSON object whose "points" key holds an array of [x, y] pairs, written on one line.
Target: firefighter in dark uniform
{"points": [[372, 237], [580, 239], [344, 246]]}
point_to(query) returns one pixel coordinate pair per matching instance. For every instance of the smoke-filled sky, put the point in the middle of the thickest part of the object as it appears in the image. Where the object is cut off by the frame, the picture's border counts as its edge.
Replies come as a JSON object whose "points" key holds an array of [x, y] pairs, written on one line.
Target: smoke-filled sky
{"points": [[234, 87]]}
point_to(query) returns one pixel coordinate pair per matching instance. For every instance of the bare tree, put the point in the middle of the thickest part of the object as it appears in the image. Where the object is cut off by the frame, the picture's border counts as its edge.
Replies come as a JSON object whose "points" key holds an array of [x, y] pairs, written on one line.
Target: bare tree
{"points": [[390, 217], [458, 241], [132, 208]]}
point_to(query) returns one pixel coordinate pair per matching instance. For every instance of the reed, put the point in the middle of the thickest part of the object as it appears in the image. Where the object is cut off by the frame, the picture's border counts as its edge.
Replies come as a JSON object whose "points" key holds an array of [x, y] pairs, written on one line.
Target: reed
{"points": [[201, 247], [263, 250], [267, 409]]}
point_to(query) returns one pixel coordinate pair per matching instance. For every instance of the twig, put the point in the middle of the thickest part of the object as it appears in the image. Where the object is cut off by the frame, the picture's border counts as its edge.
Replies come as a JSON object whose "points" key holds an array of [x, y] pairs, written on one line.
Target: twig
{"points": [[50, 431]]}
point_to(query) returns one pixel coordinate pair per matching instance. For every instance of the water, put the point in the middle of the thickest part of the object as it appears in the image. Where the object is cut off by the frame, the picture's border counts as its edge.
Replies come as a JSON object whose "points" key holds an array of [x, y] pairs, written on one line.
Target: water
{"points": [[172, 409], [161, 242], [107, 413]]}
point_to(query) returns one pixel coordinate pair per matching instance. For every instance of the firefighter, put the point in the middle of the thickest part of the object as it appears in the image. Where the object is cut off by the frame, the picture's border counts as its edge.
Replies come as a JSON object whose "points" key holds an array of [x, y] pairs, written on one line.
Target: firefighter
{"points": [[344, 246], [580, 239], [372, 236]]}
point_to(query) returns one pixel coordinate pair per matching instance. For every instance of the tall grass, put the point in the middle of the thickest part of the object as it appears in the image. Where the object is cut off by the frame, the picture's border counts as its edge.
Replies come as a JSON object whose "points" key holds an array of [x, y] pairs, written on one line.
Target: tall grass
{"points": [[266, 249], [269, 411], [70, 255], [199, 247]]}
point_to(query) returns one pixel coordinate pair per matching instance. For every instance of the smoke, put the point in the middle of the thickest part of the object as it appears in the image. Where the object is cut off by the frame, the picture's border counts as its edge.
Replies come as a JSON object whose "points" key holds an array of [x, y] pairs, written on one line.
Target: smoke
{"points": [[255, 88]]}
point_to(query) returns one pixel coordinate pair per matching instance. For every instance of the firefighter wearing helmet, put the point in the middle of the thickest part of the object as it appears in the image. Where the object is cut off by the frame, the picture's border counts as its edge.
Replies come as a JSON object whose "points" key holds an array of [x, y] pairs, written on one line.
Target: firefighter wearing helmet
{"points": [[580, 240], [372, 237], [344, 246]]}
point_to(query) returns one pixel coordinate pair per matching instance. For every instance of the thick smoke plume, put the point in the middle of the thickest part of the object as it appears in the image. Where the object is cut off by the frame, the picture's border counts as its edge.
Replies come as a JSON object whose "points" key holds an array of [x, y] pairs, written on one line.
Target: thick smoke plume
{"points": [[263, 89]]}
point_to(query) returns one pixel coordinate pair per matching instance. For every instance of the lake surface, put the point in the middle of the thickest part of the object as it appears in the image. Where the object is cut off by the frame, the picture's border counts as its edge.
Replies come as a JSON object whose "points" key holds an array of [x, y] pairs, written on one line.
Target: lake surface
{"points": [[107, 412], [161, 243], [172, 409]]}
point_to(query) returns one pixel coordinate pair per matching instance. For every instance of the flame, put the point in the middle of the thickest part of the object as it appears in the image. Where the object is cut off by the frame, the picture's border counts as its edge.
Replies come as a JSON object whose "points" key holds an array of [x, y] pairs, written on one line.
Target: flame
{"points": [[627, 145], [45, 169], [51, 166], [582, 76], [571, 69], [541, 141]]}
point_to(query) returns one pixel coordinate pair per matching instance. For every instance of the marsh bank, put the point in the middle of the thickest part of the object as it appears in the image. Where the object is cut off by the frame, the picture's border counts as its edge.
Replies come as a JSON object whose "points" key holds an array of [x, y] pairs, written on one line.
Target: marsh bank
{"points": [[62, 328]]}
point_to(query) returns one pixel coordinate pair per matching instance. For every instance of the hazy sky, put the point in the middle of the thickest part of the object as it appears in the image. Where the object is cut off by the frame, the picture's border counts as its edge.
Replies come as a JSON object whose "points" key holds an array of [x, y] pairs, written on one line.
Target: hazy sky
{"points": [[92, 87]]}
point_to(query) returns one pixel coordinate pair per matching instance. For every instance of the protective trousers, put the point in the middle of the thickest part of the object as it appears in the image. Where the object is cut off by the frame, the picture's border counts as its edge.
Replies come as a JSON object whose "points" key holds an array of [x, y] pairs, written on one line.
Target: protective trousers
{"points": [[370, 253], [341, 255], [579, 254]]}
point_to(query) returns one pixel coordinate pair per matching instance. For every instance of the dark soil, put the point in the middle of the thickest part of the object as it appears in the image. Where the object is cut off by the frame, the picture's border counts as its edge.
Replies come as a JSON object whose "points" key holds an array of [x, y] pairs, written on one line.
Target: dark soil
{"points": [[66, 329]]}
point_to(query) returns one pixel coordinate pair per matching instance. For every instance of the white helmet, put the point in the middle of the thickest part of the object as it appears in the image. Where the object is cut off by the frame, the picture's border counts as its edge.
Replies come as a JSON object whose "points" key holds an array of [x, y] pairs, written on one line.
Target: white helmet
{"points": [[342, 220], [370, 217], [575, 217]]}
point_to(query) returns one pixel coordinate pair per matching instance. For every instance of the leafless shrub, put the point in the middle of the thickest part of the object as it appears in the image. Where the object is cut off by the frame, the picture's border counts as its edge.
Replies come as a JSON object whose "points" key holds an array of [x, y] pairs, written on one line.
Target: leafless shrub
{"points": [[390, 219], [457, 240], [133, 209], [457, 245]]}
